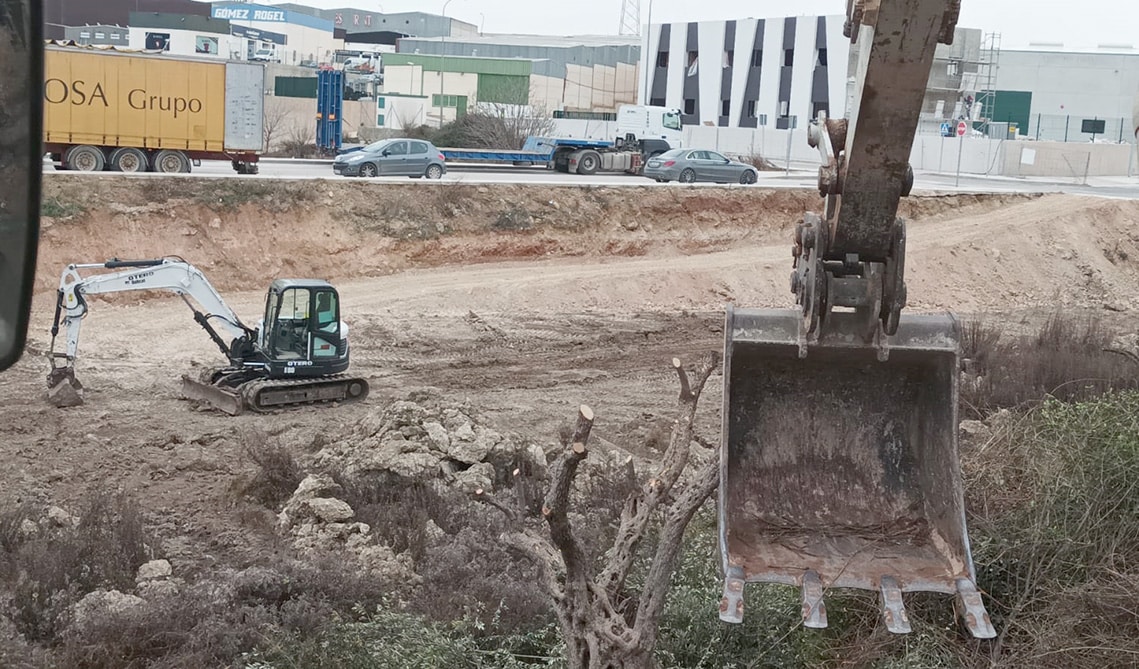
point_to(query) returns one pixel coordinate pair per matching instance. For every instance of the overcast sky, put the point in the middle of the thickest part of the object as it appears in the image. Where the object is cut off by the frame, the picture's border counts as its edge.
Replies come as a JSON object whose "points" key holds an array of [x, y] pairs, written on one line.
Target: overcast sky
{"points": [[1086, 23]]}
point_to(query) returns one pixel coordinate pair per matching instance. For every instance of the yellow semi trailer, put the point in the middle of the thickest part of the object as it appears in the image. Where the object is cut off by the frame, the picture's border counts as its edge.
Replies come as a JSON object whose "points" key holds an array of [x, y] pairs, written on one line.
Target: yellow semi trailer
{"points": [[137, 111]]}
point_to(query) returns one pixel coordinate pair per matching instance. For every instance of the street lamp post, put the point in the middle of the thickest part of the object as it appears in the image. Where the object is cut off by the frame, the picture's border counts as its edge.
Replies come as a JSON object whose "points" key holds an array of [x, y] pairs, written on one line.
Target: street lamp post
{"points": [[649, 61], [443, 59]]}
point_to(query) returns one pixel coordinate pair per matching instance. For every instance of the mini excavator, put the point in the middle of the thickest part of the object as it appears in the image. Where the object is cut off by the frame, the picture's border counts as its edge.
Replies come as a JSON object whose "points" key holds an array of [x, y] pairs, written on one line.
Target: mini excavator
{"points": [[296, 355]]}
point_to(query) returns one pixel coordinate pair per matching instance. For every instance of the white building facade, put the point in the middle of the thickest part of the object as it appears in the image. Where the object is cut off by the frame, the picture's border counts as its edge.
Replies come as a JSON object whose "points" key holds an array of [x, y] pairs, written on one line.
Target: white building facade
{"points": [[767, 72], [280, 35]]}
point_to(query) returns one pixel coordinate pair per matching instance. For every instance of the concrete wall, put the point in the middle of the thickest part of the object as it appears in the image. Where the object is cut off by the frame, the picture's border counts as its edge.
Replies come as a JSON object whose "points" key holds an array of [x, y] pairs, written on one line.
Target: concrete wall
{"points": [[1078, 84], [978, 155], [1066, 159], [295, 118]]}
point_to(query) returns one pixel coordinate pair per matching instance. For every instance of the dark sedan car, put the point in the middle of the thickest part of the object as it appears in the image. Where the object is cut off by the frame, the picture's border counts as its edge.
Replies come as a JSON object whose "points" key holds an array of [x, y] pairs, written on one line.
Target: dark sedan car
{"points": [[692, 165], [393, 158]]}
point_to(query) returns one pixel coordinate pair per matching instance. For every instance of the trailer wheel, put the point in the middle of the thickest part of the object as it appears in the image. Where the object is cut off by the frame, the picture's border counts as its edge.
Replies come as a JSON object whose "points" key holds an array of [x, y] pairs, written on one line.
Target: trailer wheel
{"points": [[85, 159], [170, 162], [588, 163], [129, 160]]}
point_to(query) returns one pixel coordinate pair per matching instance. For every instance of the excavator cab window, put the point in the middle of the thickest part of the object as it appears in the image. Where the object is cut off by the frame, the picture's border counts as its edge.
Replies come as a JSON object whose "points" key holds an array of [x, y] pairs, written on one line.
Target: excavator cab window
{"points": [[288, 323], [326, 328]]}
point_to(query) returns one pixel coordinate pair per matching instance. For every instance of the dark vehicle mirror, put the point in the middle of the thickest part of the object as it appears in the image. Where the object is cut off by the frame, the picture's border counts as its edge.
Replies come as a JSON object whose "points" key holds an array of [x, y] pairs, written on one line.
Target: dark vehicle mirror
{"points": [[386, 152], [21, 167]]}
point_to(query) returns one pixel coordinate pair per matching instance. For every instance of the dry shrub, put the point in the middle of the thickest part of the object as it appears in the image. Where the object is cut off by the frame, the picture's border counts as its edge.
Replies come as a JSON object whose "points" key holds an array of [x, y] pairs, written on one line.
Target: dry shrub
{"points": [[760, 163], [1056, 537], [211, 623], [55, 569], [1066, 359], [277, 475], [465, 570]]}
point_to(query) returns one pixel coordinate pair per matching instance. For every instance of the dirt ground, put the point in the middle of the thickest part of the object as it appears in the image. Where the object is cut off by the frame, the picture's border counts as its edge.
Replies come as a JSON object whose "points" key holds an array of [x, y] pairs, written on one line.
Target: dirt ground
{"points": [[523, 301]]}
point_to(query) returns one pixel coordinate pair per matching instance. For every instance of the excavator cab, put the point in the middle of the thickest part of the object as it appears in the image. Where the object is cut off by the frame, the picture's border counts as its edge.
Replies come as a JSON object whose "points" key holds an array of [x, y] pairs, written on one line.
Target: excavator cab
{"points": [[839, 461], [301, 333]]}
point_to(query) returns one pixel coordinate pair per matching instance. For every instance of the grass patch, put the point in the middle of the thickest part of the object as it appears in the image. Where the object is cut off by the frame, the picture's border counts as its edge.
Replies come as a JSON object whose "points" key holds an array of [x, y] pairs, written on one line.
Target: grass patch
{"points": [[54, 207], [1066, 359]]}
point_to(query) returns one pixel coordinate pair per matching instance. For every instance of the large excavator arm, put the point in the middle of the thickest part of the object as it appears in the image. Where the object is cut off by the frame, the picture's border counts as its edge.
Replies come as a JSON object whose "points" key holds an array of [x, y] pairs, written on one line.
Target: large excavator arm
{"points": [[860, 242], [839, 461], [167, 274]]}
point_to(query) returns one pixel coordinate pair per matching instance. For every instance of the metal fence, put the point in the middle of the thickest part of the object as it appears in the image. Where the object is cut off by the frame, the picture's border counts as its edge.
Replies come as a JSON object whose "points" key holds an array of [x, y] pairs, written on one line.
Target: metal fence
{"points": [[1040, 127], [1066, 128]]}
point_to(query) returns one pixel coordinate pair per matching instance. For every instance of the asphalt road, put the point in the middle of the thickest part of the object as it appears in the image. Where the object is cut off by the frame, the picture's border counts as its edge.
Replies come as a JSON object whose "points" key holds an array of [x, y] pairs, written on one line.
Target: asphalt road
{"points": [[799, 177]]}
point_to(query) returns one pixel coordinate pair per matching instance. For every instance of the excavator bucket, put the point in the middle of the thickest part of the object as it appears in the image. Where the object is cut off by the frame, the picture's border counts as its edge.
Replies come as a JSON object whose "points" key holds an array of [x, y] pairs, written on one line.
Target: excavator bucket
{"points": [[63, 389], [839, 469]]}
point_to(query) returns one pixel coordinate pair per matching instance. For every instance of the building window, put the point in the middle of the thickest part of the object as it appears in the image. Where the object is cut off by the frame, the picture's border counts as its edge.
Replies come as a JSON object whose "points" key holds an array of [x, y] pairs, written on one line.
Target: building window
{"points": [[817, 107], [821, 59], [726, 108], [662, 59], [729, 58], [85, 35], [380, 120], [751, 108], [448, 100], [656, 102], [114, 35], [954, 68], [100, 35], [784, 108], [380, 103], [788, 57], [692, 56], [763, 119], [689, 105], [757, 58]]}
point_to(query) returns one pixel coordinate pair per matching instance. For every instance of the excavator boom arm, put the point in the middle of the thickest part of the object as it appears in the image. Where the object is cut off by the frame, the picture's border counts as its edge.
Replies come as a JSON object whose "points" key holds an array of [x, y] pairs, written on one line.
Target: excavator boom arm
{"points": [[176, 276], [896, 53]]}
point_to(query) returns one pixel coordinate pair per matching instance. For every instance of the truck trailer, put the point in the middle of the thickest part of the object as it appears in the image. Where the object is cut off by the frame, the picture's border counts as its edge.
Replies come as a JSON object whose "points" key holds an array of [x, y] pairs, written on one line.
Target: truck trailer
{"points": [[130, 111], [642, 133]]}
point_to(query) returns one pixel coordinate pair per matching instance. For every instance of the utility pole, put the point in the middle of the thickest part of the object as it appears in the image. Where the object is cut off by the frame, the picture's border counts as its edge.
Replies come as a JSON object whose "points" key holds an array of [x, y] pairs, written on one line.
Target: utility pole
{"points": [[648, 57], [443, 59]]}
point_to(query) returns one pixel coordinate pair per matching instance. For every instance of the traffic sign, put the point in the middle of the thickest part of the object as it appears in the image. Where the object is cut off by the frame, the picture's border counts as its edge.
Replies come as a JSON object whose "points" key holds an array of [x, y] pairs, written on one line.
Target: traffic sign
{"points": [[961, 127], [946, 130]]}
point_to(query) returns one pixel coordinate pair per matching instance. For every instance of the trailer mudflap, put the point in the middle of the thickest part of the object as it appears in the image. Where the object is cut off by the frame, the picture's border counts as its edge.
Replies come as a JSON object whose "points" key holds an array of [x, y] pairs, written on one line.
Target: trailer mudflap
{"points": [[839, 469]]}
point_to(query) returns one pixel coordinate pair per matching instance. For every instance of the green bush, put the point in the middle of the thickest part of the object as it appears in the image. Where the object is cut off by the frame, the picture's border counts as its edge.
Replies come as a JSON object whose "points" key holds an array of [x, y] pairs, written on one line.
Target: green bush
{"points": [[386, 637]]}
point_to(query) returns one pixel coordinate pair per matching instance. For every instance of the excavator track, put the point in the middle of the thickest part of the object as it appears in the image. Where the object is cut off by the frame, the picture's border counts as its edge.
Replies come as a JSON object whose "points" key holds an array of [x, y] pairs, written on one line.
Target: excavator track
{"points": [[267, 395], [214, 387]]}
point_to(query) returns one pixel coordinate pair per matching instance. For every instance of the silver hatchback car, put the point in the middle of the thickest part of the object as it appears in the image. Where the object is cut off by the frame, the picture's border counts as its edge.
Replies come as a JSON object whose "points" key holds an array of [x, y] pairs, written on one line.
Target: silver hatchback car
{"points": [[393, 158], [692, 165]]}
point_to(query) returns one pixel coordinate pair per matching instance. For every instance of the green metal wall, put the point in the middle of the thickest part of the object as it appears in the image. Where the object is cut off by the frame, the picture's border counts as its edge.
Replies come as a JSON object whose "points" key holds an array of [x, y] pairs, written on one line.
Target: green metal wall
{"points": [[1012, 107], [295, 87], [504, 89]]}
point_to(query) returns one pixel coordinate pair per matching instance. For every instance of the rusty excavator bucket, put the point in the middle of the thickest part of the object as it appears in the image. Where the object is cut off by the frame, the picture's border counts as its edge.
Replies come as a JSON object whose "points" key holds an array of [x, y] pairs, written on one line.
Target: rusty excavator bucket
{"points": [[840, 469]]}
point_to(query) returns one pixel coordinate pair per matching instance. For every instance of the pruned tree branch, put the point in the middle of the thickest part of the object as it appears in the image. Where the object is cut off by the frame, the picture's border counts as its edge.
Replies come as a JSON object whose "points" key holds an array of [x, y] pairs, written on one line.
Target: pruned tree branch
{"points": [[639, 509], [668, 547]]}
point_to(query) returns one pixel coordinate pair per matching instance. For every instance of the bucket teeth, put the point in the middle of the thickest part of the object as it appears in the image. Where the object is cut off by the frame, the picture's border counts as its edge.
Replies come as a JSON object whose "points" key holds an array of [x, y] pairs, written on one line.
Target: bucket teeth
{"points": [[893, 609], [732, 603], [976, 617], [814, 608]]}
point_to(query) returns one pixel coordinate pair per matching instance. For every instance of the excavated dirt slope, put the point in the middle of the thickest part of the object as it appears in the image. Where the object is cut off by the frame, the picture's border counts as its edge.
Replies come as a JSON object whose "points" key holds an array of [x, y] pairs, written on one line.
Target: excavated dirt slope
{"points": [[523, 300]]}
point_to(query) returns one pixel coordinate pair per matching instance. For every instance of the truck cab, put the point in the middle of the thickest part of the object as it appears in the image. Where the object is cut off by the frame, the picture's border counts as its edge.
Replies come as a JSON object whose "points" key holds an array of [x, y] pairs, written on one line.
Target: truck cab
{"points": [[637, 123]]}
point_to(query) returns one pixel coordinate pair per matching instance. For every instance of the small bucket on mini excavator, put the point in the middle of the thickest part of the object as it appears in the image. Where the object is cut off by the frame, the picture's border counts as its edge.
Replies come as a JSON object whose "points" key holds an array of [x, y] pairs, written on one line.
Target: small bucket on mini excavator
{"points": [[839, 469], [63, 389]]}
